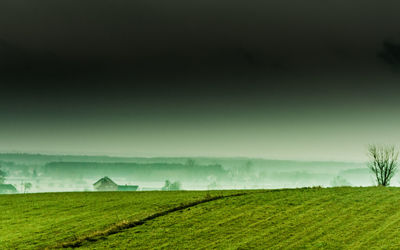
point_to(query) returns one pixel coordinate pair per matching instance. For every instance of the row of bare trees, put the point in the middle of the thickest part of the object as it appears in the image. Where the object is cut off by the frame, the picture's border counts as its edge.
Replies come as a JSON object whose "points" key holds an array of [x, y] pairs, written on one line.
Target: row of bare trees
{"points": [[383, 163]]}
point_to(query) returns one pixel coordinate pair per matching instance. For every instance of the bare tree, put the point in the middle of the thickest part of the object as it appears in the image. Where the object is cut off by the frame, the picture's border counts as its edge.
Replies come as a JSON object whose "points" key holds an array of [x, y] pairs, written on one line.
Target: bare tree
{"points": [[383, 163]]}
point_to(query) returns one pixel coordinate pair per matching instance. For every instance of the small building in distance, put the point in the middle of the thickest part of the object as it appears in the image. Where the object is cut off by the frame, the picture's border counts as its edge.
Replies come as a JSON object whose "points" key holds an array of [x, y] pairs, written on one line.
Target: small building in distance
{"points": [[7, 189], [106, 184], [127, 188]]}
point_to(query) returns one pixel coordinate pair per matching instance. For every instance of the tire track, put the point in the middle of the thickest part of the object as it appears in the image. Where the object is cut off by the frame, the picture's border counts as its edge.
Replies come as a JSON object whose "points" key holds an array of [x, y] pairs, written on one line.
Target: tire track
{"points": [[114, 229]]}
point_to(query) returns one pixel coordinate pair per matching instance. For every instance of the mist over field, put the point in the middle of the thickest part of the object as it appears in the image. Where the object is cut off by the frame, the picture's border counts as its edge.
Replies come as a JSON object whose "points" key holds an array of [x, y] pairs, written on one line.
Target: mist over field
{"points": [[56, 173]]}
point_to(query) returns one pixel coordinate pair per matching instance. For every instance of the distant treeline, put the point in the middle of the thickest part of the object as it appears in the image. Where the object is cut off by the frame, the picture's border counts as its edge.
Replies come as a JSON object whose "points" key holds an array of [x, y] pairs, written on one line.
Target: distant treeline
{"points": [[211, 172], [226, 162], [149, 172]]}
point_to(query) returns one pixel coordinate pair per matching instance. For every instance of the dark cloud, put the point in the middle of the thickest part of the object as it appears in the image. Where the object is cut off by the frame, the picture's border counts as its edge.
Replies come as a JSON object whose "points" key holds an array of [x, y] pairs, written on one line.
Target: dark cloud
{"points": [[172, 50], [203, 37], [390, 52]]}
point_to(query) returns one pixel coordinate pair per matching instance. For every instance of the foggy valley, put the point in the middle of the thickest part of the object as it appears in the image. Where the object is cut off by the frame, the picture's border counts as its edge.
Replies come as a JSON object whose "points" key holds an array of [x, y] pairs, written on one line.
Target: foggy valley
{"points": [[57, 173]]}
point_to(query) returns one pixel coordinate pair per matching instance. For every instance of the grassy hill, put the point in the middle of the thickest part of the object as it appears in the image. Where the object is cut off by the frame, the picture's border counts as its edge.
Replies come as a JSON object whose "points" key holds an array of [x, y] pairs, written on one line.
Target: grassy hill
{"points": [[293, 218]]}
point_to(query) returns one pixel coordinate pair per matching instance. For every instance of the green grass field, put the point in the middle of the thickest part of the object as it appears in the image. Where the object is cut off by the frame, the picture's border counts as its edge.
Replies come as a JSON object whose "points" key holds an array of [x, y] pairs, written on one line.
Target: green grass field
{"points": [[332, 218]]}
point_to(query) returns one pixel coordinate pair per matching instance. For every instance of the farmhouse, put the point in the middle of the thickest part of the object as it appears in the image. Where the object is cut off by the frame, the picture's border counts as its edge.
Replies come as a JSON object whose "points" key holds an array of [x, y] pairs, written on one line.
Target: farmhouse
{"points": [[106, 184], [7, 189]]}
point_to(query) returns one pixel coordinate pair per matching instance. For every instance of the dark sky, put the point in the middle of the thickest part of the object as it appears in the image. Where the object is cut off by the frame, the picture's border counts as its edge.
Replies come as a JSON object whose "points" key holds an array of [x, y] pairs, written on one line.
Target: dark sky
{"points": [[279, 79]]}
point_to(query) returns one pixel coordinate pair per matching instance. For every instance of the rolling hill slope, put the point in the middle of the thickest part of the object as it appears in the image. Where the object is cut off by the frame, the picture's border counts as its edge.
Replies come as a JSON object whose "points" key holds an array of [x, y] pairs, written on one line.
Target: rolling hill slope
{"points": [[357, 218], [44, 220]]}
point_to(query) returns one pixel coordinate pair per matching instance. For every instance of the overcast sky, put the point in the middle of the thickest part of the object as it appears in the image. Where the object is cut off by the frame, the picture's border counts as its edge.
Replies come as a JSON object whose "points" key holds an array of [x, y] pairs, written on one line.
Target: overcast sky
{"points": [[275, 79]]}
